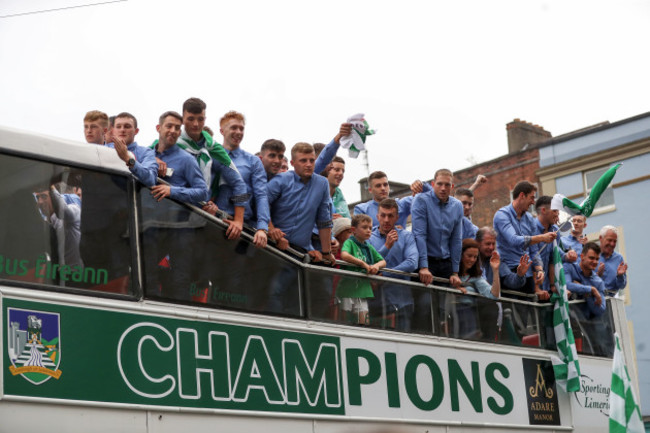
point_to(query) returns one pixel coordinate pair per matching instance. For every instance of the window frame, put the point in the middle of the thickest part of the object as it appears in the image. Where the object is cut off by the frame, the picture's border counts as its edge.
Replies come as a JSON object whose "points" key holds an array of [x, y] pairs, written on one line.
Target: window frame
{"points": [[587, 190], [136, 282]]}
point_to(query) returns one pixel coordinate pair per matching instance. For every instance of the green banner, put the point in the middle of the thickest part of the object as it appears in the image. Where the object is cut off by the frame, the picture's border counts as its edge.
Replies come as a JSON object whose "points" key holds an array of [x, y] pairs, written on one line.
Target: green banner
{"points": [[90, 354]]}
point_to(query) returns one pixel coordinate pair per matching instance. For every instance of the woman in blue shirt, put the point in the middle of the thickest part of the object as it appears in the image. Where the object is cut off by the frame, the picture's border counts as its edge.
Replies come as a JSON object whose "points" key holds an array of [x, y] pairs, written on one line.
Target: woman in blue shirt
{"points": [[473, 281]]}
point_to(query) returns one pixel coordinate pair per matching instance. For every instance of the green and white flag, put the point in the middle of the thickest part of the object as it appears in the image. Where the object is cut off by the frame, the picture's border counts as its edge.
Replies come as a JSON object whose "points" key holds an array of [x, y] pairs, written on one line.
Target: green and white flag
{"points": [[624, 413], [560, 202], [356, 141], [566, 366]]}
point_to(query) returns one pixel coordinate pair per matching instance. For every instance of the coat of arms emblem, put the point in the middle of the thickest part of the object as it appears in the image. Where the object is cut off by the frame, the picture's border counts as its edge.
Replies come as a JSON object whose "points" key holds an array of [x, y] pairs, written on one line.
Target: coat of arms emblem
{"points": [[34, 344]]}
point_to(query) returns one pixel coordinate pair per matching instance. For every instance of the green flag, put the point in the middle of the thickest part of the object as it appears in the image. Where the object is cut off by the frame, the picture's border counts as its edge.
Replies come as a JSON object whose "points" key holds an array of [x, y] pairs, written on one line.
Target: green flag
{"points": [[624, 413], [566, 366], [560, 202]]}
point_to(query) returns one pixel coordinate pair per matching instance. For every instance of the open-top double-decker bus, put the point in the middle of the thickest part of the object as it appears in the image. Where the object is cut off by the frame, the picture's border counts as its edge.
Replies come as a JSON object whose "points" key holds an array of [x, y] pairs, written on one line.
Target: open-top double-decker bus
{"points": [[123, 314]]}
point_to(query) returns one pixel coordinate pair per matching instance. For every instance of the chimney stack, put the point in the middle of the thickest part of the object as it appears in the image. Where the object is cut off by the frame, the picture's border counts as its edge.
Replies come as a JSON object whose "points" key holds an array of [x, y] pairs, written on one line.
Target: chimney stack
{"points": [[522, 134]]}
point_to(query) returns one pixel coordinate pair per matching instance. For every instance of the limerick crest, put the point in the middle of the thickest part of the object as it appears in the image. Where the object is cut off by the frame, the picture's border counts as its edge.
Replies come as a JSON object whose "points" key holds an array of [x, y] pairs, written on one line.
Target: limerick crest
{"points": [[34, 344]]}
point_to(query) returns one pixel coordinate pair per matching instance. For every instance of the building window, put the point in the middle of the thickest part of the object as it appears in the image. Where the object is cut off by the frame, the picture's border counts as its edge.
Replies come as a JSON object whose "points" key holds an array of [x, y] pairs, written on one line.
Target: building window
{"points": [[606, 201]]}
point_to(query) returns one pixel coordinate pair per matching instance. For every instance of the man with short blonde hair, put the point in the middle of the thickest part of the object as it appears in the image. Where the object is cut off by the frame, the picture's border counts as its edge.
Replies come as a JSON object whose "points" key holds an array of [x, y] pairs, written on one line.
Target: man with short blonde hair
{"points": [[95, 127], [256, 209], [576, 239], [299, 200]]}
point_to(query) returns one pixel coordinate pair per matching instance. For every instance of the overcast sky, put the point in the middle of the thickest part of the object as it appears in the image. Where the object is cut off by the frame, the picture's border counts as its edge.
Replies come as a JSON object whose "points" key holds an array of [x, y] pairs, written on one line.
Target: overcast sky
{"points": [[438, 79]]}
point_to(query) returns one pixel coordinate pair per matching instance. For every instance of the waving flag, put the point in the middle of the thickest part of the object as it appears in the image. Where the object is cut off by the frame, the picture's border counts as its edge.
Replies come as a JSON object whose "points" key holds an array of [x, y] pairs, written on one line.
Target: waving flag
{"points": [[566, 366], [624, 413], [356, 141], [560, 202]]}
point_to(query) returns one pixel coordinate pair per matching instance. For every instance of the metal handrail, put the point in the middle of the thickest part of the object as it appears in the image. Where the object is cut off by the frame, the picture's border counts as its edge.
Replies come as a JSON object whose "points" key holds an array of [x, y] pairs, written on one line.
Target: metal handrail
{"points": [[306, 258]]}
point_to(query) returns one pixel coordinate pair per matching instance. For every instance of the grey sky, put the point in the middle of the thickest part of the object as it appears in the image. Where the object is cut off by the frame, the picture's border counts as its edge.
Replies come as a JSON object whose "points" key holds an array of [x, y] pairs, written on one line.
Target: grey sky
{"points": [[438, 79]]}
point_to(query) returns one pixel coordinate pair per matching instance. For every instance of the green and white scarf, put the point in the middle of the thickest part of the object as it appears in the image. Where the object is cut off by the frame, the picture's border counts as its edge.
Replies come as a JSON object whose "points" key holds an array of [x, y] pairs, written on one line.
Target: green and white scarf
{"points": [[205, 155]]}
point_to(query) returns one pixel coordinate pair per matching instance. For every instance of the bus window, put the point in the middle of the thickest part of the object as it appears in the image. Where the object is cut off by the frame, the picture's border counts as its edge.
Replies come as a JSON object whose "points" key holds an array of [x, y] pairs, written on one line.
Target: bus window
{"points": [[63, 226], [187, 258]]}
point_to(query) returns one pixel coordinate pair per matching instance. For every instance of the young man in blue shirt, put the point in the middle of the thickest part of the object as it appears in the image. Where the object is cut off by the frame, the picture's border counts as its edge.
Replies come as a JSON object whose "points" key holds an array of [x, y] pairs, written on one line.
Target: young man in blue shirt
{"points": [[397, 247], [437, 225], [379, 188], [466, 197], [272, 155], [298, 200], [582, 279], [215, 164], [177, 167], [95, 127], [545, 222], [139, 159], [166, 239], [516, 236], [576, 239], [256, 210]]}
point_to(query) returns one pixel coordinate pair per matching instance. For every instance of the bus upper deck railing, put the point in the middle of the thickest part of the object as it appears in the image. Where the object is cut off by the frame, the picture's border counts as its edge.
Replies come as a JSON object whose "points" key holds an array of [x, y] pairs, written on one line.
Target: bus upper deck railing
{"points": [[126, 244], [517, 318]]}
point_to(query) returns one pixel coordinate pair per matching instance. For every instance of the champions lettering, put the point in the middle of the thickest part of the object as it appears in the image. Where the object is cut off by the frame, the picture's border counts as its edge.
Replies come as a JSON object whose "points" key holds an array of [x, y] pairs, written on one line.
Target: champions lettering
{"points": [[284, 373]]}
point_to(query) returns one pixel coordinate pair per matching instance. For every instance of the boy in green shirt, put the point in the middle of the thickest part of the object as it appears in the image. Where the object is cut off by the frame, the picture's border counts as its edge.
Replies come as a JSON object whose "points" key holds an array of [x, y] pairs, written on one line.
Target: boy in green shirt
{"points": [[357, 251]]}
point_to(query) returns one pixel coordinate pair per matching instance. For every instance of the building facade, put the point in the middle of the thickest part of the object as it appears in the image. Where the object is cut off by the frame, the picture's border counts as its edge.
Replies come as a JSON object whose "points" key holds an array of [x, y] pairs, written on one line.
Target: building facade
{"points": [[570, 165]]}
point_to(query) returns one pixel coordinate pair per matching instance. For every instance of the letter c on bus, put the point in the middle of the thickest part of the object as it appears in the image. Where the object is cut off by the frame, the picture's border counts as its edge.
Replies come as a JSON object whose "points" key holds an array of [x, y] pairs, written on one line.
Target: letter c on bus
{"points": [[139, 343]]}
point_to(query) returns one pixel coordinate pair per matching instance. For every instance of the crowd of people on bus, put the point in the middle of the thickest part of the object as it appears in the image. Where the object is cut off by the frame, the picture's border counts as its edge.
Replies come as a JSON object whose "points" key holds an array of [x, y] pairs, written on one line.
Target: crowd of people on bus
{"points": [[304, 208]]}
